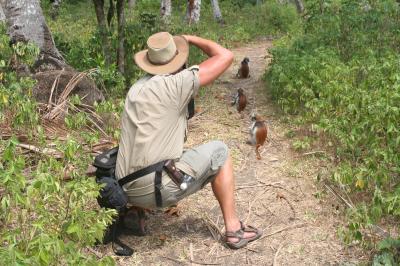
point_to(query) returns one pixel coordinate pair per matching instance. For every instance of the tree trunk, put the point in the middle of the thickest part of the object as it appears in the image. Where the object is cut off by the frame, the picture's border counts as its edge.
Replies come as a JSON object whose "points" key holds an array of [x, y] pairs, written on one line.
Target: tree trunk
{"points": [[299, 5], [101, 19], [131, 4], [121, 35], [26, 23], [2, 16], [193, 11], [217, 11], [165, 9]]}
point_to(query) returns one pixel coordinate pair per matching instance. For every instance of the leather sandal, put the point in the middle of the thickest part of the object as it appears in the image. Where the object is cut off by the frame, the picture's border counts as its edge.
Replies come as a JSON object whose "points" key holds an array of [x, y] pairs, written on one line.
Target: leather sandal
{"points": [[239, 234], [242, 242], [251, 229]]}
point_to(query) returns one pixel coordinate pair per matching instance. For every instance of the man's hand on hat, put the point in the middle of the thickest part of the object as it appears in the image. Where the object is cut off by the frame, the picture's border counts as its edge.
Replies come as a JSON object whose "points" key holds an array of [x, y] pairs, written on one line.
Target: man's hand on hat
{"points": [[188, 38]]}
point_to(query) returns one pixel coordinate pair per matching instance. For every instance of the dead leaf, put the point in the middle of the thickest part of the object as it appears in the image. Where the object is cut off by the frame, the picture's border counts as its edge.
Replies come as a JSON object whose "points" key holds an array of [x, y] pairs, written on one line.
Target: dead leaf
{"points": [[162, 238], [173, 211]]}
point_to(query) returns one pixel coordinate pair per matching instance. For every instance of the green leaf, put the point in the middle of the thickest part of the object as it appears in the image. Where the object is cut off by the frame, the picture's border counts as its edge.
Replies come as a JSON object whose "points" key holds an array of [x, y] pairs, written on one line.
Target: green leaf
{"points": [[72, 228]]}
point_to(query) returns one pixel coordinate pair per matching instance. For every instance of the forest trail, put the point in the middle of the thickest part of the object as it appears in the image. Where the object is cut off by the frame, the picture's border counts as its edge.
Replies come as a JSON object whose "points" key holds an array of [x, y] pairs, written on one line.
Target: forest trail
{"points": [[278, 193]]}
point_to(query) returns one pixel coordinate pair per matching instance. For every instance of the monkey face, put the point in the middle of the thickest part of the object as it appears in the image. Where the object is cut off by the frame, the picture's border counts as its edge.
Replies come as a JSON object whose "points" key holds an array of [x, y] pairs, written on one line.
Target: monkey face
{"points": [[246, 60], [253, 116]]}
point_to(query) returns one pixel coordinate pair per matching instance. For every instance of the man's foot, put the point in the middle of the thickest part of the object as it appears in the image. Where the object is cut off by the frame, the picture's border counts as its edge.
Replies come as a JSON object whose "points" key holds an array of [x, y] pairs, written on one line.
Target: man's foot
{"points": [[239, 238]]}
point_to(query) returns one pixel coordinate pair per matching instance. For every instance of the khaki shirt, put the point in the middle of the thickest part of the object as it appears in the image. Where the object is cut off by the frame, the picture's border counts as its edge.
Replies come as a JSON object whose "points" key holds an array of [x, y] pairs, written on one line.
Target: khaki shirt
{"points": [[154, 125]]}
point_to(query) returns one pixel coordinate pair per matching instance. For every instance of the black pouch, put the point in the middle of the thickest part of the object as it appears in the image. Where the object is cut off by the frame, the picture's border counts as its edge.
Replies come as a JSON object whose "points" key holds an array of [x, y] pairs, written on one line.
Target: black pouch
{"points": [[105, 163], [111, 195]]}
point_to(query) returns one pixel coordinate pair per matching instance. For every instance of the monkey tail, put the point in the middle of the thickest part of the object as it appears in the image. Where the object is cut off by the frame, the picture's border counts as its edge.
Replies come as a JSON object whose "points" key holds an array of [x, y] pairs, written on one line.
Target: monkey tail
{"points": [[258, 155]]}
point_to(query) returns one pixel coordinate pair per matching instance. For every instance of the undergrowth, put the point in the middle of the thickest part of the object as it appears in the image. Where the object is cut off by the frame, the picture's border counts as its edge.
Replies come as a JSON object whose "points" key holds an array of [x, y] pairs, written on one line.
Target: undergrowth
{"points": [[49, 214], [80, 44], [43, 219], [341, 76]]}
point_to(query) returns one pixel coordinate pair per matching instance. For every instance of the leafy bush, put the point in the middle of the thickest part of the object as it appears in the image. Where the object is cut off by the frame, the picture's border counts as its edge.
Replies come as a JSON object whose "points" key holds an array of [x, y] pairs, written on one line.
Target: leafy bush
{"points": [[43, 218], [342, 75]]}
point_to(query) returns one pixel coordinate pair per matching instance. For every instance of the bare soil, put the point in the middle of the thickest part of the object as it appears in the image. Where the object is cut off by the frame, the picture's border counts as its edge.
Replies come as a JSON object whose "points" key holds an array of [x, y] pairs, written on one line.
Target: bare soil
{"points": [[278, 193]]}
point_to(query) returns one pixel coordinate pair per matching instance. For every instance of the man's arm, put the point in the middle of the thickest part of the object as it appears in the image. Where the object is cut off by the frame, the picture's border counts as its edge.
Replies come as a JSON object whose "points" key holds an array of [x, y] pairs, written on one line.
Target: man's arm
{"points": [[220, 59]]}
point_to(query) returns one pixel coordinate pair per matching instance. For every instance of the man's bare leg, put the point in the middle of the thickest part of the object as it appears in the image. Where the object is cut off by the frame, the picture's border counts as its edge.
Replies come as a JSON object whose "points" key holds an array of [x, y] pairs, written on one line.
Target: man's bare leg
{"points": [[223, 187]]}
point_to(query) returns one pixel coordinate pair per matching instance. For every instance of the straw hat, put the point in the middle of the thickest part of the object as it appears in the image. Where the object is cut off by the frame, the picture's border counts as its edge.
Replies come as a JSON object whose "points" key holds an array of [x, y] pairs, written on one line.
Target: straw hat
{"points": [[165, 54]]}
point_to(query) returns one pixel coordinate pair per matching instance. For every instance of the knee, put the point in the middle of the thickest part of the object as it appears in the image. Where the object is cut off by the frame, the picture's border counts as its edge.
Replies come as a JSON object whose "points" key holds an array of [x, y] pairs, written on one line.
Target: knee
{"points": [[220, 155]]}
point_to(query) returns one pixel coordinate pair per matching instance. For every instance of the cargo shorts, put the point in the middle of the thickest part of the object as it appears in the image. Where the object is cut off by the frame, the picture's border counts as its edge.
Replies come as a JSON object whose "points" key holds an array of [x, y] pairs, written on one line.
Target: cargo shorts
{"points": [[202, 163]]}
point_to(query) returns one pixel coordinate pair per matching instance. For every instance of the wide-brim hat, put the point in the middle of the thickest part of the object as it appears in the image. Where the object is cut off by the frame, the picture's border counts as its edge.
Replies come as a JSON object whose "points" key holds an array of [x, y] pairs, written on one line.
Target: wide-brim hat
{"points": [[165, 54]]}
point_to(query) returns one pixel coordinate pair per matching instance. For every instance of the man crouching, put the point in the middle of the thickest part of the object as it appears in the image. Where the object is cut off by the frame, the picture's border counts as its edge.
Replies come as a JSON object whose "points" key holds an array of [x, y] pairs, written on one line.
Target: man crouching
{"points": [[154, 128]]}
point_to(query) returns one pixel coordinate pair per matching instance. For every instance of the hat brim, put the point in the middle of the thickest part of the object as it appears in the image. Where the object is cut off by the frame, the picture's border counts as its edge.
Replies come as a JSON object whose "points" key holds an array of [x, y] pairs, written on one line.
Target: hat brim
{"points": [[174, 65]]}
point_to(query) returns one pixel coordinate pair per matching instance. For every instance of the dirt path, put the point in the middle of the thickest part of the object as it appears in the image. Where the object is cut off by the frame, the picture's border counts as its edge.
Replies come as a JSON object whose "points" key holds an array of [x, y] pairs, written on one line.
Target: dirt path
{"points": [[277, 193]]}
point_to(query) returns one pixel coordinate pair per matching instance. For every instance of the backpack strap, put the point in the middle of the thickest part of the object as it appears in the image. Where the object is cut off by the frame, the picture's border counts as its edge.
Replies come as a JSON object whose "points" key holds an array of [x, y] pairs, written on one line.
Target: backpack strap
{"points": [[157, 187], [157, 167], [142, 172]]}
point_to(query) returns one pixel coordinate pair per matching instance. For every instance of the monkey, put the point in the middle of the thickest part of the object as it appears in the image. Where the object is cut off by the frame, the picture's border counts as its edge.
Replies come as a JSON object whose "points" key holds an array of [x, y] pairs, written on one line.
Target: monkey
{"points": [[244, 70], [240, 100], [258, 133]]}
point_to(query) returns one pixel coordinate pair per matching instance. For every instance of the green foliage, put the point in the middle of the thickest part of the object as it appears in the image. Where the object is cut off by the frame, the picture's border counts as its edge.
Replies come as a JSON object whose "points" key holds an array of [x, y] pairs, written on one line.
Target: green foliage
{"points": [[80, 43], [16, 90], [43, 219], [389, 252], [342, 75]]}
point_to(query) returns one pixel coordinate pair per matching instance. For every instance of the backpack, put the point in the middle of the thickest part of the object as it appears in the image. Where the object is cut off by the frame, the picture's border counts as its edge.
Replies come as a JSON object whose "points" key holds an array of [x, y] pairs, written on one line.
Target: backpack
{"points": [[113, 196]]}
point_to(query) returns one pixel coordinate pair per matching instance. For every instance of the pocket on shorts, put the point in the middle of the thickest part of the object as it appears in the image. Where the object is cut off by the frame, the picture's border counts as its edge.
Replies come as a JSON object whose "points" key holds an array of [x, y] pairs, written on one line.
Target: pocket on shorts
{"points": [[197, 162], [218, 158]]}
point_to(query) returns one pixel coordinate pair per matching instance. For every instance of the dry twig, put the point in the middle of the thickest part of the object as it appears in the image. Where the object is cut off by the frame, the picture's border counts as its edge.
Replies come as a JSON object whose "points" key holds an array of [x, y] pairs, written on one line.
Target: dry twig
{"points": [[251, 204], [276, 254], [191, 253], [281, 196], [313, 152], [284, 229], [213, 228]]}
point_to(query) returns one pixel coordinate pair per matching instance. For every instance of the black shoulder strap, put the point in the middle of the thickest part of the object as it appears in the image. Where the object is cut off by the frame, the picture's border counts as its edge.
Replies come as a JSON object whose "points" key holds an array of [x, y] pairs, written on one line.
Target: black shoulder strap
{"points": [[142, 172]]}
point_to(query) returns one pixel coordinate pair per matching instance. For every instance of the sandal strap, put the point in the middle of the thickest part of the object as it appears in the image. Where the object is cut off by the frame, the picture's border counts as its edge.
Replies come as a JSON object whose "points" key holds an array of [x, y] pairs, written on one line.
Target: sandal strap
{"points": [[248, 228], [238, 234]]}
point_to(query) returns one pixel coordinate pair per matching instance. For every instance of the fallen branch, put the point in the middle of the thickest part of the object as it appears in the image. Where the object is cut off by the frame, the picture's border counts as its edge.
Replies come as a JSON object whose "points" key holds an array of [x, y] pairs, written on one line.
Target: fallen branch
{"points": [[276, 186], [339, 196], [284, 229], [45, 151], [378, 230], [213, 228], [191, 253], [98, 254], [204, 263], [176, 260], [281, 196], [191, 261], [276, 254], [251, 204], [249, 186], [313, 152]]}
